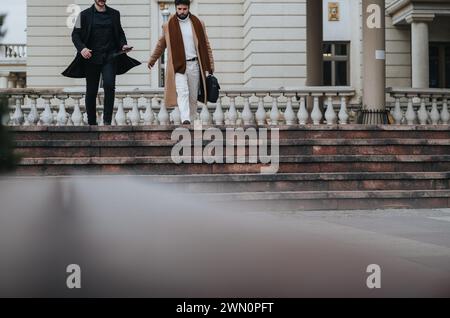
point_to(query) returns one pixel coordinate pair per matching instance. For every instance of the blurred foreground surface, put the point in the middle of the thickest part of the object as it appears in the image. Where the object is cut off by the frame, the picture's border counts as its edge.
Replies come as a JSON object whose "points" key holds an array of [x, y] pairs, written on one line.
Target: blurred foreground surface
{"points": [[133, 238]]}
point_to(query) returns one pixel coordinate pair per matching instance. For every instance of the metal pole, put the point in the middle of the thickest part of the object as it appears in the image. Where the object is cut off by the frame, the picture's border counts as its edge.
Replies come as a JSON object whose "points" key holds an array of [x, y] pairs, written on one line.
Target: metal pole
{"points": [[165, 15]]}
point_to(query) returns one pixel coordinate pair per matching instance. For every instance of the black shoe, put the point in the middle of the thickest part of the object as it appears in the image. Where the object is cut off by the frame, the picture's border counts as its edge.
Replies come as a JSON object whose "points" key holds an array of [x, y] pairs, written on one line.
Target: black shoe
{"points": [[186, 122]]}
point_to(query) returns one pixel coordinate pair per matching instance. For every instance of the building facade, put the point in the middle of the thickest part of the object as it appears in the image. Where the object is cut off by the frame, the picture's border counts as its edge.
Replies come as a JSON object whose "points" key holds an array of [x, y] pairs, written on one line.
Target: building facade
{"points": [[13, 44], [260, 43]]}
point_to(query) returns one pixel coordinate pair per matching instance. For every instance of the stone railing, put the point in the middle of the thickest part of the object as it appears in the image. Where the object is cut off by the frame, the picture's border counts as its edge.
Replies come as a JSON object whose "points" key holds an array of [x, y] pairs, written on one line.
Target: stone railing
{"points": [[420, 106], [64, 107], [13, 52]]}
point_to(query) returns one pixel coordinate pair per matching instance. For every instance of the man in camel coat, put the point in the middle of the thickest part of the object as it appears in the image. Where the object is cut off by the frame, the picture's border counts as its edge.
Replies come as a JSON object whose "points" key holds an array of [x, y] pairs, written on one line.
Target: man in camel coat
{"points": [[189, 58]]}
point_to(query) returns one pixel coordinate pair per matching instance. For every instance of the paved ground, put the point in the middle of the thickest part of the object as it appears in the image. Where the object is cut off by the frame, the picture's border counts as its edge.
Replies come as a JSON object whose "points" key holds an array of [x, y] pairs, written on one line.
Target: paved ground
{"points": [[132, 238], [421, 236]]}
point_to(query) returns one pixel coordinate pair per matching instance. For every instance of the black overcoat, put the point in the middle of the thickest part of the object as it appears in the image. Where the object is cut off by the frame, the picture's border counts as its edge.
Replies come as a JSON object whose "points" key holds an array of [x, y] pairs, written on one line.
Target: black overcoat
{"points": [[80, 36]]}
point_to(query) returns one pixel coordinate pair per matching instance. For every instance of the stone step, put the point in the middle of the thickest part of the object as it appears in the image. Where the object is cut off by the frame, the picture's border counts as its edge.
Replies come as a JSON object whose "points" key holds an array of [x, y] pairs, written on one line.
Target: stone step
{"points": [[321, 167], [288, 164], [305, 182], [279, 198], [281, 142], [332, 200], [285, 132], [283, 182], [282, 159], [102, 148]]}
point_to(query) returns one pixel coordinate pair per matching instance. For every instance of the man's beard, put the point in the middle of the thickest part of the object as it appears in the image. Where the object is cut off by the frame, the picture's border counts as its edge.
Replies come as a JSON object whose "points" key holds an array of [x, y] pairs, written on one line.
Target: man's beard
{"points": [[182, 16], [97, 2]]}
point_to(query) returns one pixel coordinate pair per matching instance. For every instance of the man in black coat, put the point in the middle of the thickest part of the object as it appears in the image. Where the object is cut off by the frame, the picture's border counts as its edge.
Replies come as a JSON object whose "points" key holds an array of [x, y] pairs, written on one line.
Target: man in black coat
{"points": [[101, 49]]}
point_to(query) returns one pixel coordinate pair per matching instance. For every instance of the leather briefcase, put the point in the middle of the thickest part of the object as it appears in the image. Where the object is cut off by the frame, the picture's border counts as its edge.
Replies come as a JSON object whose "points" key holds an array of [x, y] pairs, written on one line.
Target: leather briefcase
{"points": [[213, 89]]}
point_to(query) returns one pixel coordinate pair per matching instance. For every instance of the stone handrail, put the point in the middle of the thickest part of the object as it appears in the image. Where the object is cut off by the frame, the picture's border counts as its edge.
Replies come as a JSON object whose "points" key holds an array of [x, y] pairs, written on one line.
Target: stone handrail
{"points": [[422, 106], [234, 107]]}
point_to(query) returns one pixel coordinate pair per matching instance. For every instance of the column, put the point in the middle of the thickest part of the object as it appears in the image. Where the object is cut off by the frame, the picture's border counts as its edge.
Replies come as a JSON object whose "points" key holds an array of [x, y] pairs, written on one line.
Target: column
{"points": [[314, 48], [374, 62], [314, 39], [12, 81], [4, 79], [420, 56], [20, 82]]}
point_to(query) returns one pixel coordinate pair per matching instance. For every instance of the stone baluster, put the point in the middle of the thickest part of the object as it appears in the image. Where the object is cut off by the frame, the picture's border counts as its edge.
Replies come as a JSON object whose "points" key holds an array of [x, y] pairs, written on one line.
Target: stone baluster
{"points": [[410, 114], [62, 116], [163, 115], [149, 115], [33, 115], [422, 113], [6, 117], [100, 118], [205, 117], [54, 115], [343, 113], [47, 115], [397, 113], [274, 112], [218, 115], [8, 51], [175, 116], [17, 118], [261, 114], [77, 116], [289, 115], [68, 118], [302, 114], [3, 51], [316, 114], [84, 117], [330, 114], [445, 115], [142, 108], [247, 114], [232, 112], [120, 117], [133, 115], [434, 114]]}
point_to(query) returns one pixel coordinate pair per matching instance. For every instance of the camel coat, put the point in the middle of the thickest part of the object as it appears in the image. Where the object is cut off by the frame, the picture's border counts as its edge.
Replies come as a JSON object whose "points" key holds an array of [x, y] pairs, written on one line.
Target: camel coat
{"points": [[170, 91]]}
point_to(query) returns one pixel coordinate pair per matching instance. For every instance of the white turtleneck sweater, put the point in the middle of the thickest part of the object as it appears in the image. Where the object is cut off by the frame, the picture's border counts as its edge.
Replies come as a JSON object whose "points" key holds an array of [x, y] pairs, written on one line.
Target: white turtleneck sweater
{"points": [[188, 38]]}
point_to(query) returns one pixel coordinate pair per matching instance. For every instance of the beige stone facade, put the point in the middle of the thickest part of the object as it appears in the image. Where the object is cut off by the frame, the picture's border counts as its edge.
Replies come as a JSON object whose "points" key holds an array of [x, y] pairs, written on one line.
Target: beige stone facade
{"points": [[256, 43]]}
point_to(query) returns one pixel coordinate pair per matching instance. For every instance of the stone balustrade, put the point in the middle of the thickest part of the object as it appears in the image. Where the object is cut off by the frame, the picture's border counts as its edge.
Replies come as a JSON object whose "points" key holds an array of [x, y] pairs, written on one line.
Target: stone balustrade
{"points": [[64, 107], [13, 51], [420, 106]]}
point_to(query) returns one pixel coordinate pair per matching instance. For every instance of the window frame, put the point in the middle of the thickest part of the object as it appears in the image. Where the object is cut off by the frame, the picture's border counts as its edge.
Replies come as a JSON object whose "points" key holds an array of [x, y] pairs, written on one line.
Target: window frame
{"points": [[442, 76], [333, 58]]}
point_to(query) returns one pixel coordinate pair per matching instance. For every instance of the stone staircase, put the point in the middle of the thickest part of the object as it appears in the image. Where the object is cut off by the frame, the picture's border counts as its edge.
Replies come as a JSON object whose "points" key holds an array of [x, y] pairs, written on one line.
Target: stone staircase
{"points": [[321, 167]]}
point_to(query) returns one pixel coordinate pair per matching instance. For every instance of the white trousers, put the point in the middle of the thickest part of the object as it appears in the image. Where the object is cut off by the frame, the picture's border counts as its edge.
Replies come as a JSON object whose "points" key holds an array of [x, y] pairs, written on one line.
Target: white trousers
{"points": [[187, 85]]}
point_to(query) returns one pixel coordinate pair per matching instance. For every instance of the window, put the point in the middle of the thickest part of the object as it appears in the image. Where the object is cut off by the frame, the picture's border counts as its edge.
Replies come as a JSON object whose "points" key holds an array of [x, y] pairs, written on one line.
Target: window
{"points": [[440, 65], [447, 67], [336, 63]]}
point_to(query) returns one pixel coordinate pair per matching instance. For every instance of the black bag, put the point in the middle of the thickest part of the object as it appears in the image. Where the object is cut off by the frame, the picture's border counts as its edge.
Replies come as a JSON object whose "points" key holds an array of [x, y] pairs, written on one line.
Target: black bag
{"points": [[213, 89]]}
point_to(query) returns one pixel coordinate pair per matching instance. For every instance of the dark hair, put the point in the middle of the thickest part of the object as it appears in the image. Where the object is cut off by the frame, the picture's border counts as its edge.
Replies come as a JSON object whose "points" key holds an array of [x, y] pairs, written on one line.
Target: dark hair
{"points": [[185, 2]]}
